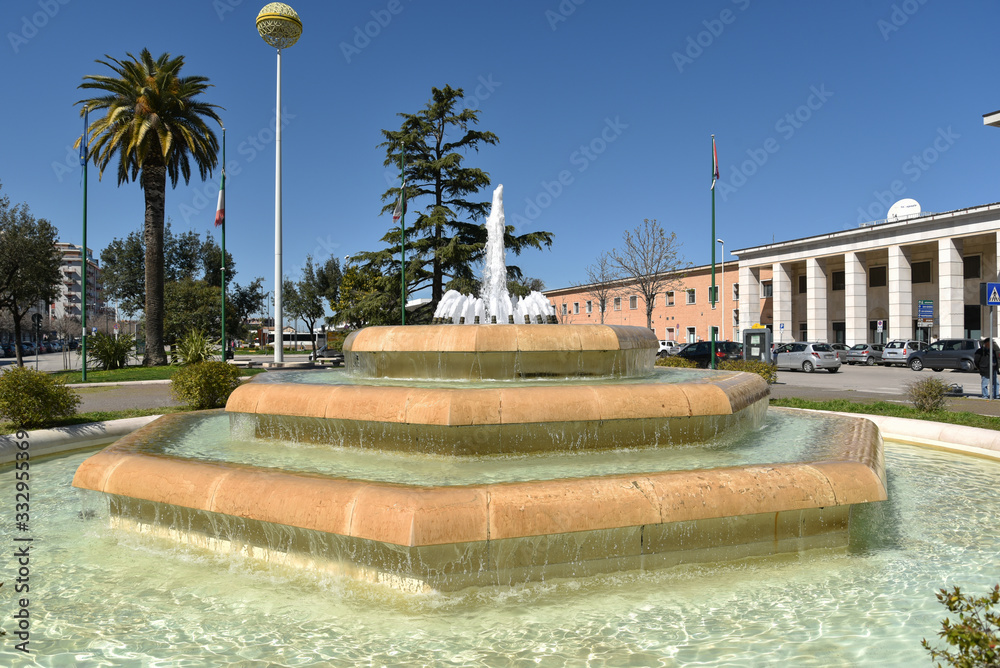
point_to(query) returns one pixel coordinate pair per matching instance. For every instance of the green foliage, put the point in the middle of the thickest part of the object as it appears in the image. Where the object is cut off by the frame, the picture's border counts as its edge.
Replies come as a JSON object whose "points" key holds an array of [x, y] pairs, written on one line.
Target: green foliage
{"points": [[976, 635], [205, 384], [107, 352], [195, 347], [443, 239], [32, 399], [29, 263], [928, 395], [769, 372], [677, 362]]}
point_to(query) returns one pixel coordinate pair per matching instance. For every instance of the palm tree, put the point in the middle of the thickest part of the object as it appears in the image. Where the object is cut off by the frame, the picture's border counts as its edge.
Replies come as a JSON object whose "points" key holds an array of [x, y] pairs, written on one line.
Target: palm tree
{"points": [[156, 128]]}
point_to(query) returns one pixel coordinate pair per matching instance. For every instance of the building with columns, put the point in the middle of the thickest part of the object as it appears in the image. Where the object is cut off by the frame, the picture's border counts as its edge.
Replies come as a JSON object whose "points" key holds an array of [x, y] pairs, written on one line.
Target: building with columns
{"points": [[917, 277]]}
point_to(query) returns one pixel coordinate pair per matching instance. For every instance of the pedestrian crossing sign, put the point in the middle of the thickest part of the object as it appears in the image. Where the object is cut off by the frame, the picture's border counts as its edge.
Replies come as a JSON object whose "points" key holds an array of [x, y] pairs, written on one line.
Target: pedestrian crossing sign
{"points": [[993, 294]]}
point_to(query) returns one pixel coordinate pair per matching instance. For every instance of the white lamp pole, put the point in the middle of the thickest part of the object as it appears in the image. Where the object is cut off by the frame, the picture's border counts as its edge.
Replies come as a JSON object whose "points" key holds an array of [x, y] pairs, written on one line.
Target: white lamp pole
{"points": [[722, 287], [280, 27]]}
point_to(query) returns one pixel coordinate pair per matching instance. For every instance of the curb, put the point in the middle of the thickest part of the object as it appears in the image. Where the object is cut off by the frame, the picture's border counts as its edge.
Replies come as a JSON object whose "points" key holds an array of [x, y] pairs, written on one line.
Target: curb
{"points": [[124, 383], [44, 442]]}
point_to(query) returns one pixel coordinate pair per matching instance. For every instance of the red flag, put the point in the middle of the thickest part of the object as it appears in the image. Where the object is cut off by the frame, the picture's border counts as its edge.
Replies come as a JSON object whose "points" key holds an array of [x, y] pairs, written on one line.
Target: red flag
{"points": [[220, 212]]}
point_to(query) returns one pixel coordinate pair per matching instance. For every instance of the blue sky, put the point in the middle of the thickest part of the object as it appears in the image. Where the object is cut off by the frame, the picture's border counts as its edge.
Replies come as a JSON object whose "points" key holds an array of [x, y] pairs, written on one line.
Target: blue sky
{"points": [[824, 113]]}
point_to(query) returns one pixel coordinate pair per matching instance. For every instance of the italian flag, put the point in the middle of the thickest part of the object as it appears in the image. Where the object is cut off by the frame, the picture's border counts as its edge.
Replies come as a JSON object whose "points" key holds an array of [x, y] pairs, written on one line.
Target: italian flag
{"points": [[397, 213], [220, 212], [715, 164]]}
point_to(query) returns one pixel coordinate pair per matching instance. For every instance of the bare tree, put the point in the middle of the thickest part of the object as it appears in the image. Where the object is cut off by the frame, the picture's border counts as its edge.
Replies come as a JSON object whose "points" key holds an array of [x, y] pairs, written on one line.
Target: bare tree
{"points": [[603, 282], [649, 259]]}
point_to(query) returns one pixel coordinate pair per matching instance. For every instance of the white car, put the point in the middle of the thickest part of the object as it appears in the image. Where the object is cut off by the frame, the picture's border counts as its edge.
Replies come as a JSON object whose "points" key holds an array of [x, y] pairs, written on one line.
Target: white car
{"points": [[666, 348], [807, 356]]}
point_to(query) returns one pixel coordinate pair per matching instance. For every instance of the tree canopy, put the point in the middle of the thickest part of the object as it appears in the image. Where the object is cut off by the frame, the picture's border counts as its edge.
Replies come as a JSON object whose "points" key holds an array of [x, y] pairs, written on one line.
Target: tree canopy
{"points": [[156, 127], [29, 263], [650, 259], [443, 238]]}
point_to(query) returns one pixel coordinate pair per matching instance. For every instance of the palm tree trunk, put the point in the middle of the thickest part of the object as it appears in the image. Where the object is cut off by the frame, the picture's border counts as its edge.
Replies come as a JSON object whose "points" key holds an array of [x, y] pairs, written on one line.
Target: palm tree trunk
{"points": [[154, 185]]}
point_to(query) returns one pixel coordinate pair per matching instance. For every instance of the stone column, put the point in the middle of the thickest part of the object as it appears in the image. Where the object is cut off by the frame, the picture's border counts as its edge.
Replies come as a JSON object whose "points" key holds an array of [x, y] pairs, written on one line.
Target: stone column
{"points": [[749, 304], [950, 309], [781, 284], [855, 299], [900, 294], [816, 316]]}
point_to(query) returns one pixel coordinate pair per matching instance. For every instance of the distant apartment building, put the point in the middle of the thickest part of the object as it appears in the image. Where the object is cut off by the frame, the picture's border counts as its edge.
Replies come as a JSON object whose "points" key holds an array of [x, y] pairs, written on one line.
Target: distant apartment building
{"points": [[69, 302]]}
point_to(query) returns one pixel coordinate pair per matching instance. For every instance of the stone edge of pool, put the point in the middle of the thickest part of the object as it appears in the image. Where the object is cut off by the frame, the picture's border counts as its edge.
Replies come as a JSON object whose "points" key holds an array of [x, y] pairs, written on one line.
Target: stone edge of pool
{"points": [[45, 442]]}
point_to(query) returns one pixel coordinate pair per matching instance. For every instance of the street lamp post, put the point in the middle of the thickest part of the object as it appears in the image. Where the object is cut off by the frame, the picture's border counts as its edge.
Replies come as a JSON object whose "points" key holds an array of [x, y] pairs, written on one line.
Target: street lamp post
{"points": [[280, 27], [722, 287]]}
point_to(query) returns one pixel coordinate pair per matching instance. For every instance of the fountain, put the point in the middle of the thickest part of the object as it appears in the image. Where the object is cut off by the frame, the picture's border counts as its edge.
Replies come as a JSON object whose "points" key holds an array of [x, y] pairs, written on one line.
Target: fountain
{"points": [[523, 452]]}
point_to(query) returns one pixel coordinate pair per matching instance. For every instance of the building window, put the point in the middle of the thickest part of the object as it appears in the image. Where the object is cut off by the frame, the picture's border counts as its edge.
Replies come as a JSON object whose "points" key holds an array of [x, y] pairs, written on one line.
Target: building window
{"points": [[837, 279], [803, 333], [564, 309], [691, 335], [802, 285], [670, 298], [766, 289], [576, 308], [736, 292], [590, 306], [618, 303], [633, 302], [971, 264], [920, 272], [839, 332], [715, 333], [691, 296], [736, 320], [877, 277]]}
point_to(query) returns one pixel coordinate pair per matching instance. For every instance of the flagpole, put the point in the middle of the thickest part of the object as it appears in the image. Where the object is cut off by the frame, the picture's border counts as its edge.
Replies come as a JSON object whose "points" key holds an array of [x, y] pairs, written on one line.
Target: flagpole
{"points": [[84, 159], [402, 230], [715, 175], [222, 188]]}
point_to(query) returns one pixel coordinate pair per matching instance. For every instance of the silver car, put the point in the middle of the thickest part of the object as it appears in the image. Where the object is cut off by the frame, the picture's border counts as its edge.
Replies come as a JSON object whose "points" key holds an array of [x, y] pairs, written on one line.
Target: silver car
{"points": [[868, 354], [807, 356], [899, 351]]}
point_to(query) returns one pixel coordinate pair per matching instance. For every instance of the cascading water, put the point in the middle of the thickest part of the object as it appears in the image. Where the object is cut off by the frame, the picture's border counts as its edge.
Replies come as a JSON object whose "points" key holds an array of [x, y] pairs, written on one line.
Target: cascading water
{"points": [[494, 303]]}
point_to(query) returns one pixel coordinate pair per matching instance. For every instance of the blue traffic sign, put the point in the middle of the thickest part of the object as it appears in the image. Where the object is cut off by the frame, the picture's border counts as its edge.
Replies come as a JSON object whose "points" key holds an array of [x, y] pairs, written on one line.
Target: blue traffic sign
{"points": [[993, 294]]}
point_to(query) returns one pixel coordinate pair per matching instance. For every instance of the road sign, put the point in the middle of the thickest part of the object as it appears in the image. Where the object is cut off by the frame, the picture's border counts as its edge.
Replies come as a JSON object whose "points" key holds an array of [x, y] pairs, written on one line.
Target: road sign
{"points": [[993, 294], [878, 327], [781, 326], [925, 309], [94, 331]]}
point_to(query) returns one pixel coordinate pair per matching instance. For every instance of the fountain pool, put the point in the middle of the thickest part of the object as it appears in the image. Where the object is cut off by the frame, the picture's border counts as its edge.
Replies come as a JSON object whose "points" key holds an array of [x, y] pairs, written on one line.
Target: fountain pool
{"points": [[105, 596]]}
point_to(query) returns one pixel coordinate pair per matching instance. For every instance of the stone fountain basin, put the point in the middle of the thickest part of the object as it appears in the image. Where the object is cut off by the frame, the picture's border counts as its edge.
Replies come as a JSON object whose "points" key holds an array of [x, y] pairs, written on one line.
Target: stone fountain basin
{"points": [[445, 538]]}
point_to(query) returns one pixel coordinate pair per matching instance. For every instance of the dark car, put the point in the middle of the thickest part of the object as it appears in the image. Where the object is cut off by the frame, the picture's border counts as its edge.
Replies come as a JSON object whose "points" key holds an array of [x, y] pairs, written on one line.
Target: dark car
{"points": [[327, 353], [701, 352], [7, 350], [946, 354]]}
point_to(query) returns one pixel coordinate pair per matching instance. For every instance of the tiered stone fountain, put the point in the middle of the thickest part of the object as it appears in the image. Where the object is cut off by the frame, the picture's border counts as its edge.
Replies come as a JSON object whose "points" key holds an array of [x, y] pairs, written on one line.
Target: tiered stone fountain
{"points": [[492, 392]]}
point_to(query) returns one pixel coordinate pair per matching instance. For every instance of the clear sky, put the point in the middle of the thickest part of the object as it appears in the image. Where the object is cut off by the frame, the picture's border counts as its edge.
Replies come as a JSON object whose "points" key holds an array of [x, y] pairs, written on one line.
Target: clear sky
{"points": [[824, 114]]}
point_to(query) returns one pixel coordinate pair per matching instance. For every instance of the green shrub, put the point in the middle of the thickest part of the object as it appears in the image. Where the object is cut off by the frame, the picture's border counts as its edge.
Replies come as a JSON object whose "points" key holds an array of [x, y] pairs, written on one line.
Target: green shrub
{"points": [[108, 352], [677, 362], [928, 395], [976, 636], [205, 384], [769, 372], [195, 347], [32, 399]]}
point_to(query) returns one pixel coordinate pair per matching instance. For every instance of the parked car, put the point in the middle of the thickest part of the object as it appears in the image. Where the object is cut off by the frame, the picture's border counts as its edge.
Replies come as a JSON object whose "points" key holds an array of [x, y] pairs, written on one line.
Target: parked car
{"points": [[74, 344], [701, 352], [665, 347], [7, 350], [44, 348], [27, 348], [841, 349], [868, 354], [900, 350], [946, 354], [326, 353], [807, 356]]}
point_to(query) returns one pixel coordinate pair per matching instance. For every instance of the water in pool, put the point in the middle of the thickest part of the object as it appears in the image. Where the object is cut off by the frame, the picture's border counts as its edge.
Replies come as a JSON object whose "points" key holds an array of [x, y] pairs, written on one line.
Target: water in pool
{"points": [[103, 597]]}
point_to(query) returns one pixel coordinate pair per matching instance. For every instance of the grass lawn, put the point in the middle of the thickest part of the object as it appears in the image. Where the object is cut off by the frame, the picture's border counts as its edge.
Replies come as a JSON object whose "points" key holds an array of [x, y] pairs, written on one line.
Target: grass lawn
{"points": [[100, 416], [893, 410], [132, 373]]}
